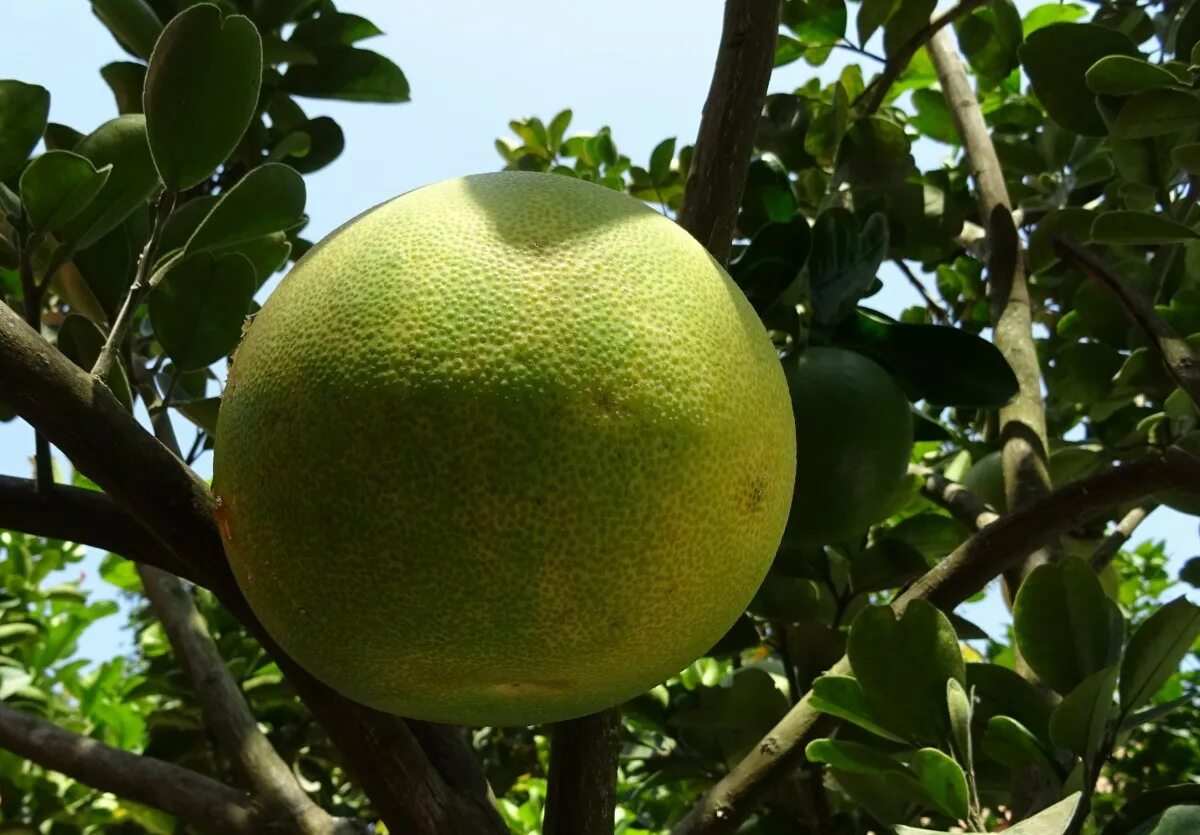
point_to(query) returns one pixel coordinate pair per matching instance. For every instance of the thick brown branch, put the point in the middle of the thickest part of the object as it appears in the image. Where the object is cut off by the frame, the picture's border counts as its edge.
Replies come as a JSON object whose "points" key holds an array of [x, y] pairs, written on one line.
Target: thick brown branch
{"points": [[582, 795], [970, 568], [963, 505], [722, 156], [82, 418], [192, 797], [1022, 421], [875, 94], [1180, 360]]}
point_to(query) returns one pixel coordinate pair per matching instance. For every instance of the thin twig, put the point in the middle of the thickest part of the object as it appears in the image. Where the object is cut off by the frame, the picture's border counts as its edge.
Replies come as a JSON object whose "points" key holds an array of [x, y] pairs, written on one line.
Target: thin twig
{"points": [[723, 146], [199, 800], [581, 798], [137, 290], [970, 568], [875, 94], [939, 312], [1181, 362], [31, 293], [1108, 548], [963, 505]]}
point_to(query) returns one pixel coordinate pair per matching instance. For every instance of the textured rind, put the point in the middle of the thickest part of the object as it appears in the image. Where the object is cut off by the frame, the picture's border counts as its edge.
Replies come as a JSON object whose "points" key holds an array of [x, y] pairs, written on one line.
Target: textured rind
{"points": [[854, 435], [506, 449]]}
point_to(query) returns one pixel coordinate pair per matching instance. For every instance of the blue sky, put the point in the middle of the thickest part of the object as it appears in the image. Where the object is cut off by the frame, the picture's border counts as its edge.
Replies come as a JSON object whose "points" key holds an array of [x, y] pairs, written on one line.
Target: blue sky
{"points": [[642, 68]]}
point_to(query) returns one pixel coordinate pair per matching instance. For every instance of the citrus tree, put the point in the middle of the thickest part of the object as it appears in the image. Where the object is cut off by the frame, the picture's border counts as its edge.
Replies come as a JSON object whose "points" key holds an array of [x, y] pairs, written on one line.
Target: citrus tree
{"points": [[1020, 424]]}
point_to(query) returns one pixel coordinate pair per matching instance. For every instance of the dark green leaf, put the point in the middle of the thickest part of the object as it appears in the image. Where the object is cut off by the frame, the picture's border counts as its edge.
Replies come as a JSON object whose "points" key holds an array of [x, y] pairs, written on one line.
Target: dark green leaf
{"points": [[816, 22], [326, 143], [199, 309], [933, 535], [958, 705], [942, 365], [1155, 112], [902, 666], [990, 38], [792, 599], [1057, 58], [270, 14], [843, 262], [908, 19], [201, 412], [60, 137], [850, 756], [132, 22], [1187, 34], [80, 341], [768, 197], [268, 199], [1187, 157], [943, 780], [1047, 13], [344, 72], [1123, 75], [660, 160], [1178, 820], [1079, 721], [887, 563], [1155, 651], [121, 143], [1139, 228], [874, 156], [1064, 624], [1010, 743], [1002, 691], [871, 15], [841, 696], [127, 81], [23, 112], [201, 92], [57, 186], [333, 29], [772, 261]]}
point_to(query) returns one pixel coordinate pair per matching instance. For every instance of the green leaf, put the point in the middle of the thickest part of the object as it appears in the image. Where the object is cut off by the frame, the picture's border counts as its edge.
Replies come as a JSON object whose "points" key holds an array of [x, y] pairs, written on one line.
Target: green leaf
{"points": [[199, 309], [1053, 820], [201, 92], [850, 756], [17, 631], [1139, 228], [1155, 651], [127, 82], [81, 341], [902, 666], [772, 261], [1079, 721], [132, 22], [768, 196], [1041, 16], [60, 137], [933, 117], [933, 535], [874, 156], [1187, 157], [943, 365], [841, 696], [1001, 691], [887, 563], [871, 15], [12, 680], [943, 780], [1011, 744], [120, 572], [350, 74], [907, 19], [1122, 75], [1178, 820], [843, 262], [268, 199], [326, 143], [1057, 58], [23, 112], [1154, 113], [816, 22], [333, 29], [57, 186], [958, 705], [121, 143], [660, 160], [990, 38], [792, 599], [1065, 624]]}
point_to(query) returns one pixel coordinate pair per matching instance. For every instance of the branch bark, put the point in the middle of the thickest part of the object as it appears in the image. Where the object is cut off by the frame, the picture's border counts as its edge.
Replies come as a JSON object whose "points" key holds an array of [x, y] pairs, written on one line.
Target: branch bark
{"points": [[963, 505], [582, 795], [80, 416], [1022, 421], [721, 159], [876, 92], [201, 801], [970, 568], [1102, 557]]}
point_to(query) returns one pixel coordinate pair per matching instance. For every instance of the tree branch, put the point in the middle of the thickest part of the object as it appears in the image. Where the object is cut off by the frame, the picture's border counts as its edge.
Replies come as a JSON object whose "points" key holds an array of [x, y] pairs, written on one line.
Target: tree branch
{"points": [[79, 414], [582, 795], [1180, 360], [873, 96], [721, 159], [199, 800], [1102, 557], [939, 312], [1022, 421], [963, 505], [970, 568]]}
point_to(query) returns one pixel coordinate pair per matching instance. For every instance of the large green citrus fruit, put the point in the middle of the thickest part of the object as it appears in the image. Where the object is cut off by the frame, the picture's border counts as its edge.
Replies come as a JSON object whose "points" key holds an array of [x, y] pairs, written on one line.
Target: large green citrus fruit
{"points": [[506, 449], [854, 438]]}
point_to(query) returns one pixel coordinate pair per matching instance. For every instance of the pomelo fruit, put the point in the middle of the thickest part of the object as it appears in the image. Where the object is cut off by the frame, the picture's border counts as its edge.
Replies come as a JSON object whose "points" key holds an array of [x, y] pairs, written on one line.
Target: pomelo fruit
{"points": [[854, 438], [507, 449]]}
